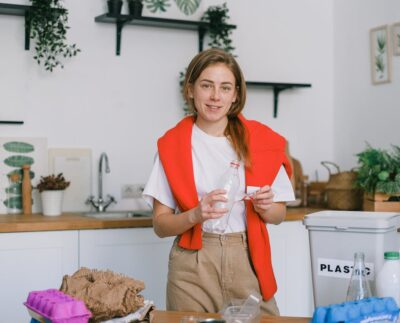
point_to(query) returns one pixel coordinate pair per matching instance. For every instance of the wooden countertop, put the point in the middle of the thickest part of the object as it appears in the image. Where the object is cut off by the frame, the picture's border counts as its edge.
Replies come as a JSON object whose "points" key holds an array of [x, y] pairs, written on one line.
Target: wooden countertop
{"points": [[66, 221], [75, 221], [175, 317]]}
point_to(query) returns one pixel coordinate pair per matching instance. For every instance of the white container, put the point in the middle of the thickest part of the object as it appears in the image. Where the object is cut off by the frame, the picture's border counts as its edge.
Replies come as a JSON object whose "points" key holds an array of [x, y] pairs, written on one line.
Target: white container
{"points": [[52, 202], [335, 236], [388, 278]]}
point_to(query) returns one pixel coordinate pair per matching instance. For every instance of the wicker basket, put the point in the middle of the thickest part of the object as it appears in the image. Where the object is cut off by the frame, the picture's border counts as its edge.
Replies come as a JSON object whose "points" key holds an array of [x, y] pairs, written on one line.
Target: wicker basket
{"points": [[341, 194]]}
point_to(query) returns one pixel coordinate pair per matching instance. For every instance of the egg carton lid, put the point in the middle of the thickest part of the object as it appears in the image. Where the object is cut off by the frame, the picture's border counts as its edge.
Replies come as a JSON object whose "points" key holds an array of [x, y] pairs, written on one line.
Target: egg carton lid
{"points": [[369, 310], [54, 306]]}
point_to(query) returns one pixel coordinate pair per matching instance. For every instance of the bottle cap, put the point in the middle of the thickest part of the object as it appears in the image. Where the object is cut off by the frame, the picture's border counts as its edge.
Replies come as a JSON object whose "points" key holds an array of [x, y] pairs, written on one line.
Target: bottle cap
{"points": [[392, 255]]}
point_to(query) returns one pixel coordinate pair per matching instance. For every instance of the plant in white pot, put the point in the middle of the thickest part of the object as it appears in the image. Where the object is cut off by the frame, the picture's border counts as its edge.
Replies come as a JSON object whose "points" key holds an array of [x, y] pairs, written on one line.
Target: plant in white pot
{"points": [[51, 189]]}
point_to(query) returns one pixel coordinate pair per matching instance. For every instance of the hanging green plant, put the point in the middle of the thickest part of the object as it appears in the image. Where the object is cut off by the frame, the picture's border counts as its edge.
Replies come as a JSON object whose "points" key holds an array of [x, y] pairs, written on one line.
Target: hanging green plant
{"points": [[219, 31], [188, 7], [49, 25]]}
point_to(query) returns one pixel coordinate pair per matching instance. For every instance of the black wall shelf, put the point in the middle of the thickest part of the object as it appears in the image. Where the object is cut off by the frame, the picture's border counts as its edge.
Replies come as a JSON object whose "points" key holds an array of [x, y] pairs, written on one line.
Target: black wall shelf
{"points": [[18, 10], [11, 122], [200, 26], [277, 88]]}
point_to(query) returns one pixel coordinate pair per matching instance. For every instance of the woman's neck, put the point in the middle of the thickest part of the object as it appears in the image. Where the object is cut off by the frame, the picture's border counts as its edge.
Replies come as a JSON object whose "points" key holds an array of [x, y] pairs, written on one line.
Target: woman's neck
{"points": [[216, 129]]}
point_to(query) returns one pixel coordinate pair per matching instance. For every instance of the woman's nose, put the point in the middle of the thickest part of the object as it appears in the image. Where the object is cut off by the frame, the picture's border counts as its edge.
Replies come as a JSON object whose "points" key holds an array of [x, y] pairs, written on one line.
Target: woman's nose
{"points": [[215, 95]]}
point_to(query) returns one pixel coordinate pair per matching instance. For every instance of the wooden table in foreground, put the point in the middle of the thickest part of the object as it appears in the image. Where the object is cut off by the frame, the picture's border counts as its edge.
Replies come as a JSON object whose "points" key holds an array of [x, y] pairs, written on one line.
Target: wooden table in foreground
{"points": [[174, 317]]}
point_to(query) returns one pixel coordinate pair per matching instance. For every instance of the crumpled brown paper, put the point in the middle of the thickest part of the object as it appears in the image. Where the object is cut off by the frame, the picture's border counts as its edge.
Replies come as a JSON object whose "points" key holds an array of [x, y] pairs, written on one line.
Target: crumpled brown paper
{"points": [[105, 293]]}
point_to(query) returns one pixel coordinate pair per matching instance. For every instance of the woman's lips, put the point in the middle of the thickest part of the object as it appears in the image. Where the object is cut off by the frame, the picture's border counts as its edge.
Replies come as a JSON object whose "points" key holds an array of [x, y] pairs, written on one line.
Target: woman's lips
{"points": [[213, 107]]}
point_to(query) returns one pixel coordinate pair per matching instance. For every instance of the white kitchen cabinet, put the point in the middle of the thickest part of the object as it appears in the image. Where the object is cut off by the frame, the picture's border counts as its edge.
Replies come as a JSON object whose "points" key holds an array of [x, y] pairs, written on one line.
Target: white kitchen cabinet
{"points": [[292, 268], [38, 260], [137, 253], [33, 261], [140, 254]]}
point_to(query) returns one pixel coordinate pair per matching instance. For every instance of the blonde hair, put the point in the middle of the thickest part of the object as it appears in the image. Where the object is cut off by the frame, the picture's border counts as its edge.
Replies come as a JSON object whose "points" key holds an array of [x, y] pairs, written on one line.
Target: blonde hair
{"points": [[235, 130]]}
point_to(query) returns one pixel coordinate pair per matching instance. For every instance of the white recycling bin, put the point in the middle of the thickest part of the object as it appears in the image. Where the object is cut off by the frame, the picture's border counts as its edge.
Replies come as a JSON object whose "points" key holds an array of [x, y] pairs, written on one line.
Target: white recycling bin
{"points": [[335, 236]]}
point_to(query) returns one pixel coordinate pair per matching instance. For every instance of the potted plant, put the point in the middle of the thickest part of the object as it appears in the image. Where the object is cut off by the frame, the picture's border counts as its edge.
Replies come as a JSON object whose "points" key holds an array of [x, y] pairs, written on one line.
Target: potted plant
{"points": [[379, 177], [48, 19], [51, 189], [219, 32]]}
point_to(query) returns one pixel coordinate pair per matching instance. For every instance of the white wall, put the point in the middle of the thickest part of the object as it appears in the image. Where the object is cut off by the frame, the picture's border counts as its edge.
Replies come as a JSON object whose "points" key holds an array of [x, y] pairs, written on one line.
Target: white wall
{"points": [[363, 112], [121, 105]]}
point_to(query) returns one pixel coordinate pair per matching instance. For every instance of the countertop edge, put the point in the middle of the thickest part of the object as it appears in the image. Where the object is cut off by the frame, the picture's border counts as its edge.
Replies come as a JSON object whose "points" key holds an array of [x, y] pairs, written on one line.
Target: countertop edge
{"points": [[76, 221]]}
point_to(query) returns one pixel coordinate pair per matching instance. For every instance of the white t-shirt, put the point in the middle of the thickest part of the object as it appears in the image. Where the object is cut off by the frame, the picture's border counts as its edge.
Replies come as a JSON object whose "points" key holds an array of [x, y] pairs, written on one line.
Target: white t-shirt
{"points": [[211, 157]]}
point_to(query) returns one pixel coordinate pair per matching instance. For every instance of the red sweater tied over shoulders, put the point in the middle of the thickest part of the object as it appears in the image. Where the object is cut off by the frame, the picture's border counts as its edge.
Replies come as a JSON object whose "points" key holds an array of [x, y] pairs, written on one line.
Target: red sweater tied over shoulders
{"points": [[267, 153]]}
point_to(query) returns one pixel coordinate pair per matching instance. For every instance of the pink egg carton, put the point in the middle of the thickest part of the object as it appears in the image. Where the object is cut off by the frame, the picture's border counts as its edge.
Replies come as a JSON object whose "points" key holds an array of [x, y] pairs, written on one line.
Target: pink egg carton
{"points": [[57, 307]]}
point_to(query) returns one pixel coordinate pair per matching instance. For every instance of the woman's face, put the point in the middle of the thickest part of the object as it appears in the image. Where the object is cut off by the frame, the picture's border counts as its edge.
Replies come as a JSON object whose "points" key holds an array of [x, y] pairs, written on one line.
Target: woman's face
{"points": [[213, 93]]}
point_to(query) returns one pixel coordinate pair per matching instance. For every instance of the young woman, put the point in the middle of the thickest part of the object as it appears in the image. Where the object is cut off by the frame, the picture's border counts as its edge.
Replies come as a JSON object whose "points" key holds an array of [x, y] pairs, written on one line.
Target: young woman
{"points": [[208, 269]]}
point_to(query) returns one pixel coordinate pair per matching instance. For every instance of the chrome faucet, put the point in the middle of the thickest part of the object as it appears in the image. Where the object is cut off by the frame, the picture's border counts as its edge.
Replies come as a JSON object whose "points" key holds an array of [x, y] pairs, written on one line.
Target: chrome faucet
{"points": [[100, 204]]}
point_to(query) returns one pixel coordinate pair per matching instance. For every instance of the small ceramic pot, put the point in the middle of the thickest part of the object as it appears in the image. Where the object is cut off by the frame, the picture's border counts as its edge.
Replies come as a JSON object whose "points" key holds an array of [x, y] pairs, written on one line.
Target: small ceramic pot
{"points": [[52, 202], [135, 8], [114, 7]]}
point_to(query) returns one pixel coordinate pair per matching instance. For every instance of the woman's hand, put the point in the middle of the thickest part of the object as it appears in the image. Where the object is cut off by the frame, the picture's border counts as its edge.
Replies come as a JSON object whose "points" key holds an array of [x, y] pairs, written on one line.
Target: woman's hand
{"points": [[206, 209], [166, 223], [263, 199], [269, 211]]}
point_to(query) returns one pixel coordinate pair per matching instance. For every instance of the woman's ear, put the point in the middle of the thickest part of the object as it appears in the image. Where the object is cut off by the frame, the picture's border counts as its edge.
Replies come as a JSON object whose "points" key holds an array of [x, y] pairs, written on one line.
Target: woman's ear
{"points": [[190, 92]]}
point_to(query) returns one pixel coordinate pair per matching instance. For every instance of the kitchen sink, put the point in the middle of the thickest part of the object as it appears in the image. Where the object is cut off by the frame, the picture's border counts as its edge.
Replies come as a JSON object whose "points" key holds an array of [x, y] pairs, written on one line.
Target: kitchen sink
{"points": [[119, 214]]}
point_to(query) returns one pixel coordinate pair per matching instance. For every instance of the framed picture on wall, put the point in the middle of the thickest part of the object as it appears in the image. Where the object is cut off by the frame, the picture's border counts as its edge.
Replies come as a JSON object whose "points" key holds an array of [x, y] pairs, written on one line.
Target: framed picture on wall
{"points": [[380, 55], [396, 38]]}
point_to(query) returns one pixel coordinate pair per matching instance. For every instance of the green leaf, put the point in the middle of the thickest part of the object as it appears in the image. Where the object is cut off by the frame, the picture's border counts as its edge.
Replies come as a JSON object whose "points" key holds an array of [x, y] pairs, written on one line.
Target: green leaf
{"points": [[383, 176], [18, 147], [18, 161], [188, 7], [14, 202], [397, 177]]}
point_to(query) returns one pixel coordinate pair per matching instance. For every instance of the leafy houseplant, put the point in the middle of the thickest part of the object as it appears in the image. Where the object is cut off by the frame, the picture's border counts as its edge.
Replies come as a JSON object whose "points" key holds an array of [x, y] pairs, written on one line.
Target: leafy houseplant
{"points": [[219, 32], [49, 27], [52, 183], [379, 171], [51, 189]]}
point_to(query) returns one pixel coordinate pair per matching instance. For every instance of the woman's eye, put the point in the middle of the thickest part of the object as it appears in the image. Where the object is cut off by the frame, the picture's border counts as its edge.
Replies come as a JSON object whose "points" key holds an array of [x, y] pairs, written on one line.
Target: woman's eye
{"points": [[226, 88], [206, 86]]}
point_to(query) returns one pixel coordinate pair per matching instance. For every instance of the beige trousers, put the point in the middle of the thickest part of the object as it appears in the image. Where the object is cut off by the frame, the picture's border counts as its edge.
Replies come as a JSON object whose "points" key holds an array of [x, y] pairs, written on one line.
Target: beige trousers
{"points": [[209, 279]]}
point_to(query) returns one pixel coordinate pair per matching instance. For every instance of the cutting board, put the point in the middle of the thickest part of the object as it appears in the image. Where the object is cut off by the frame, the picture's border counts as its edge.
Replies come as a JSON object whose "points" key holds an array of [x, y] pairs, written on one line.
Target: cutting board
{"points": [[76, 166]]}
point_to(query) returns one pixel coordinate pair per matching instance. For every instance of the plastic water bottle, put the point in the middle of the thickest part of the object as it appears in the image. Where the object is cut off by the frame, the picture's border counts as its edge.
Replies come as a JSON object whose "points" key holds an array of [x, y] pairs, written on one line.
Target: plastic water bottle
{"points": [[229, 181], [359, 285], [388, 278]]}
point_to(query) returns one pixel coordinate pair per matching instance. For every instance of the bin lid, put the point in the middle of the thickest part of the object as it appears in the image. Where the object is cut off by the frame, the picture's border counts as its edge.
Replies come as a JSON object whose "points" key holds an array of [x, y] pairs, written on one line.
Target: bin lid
{"points": [[352, 219]]}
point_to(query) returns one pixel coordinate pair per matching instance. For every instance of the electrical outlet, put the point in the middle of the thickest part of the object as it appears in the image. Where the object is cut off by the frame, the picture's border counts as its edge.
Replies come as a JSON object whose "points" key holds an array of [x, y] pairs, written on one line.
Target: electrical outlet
{"points": [[132, 191]]}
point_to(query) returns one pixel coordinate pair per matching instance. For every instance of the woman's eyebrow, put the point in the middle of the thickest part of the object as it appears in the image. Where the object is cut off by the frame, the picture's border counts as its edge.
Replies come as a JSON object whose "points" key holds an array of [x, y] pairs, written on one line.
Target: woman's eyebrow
{"points": [[210, 81]]}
